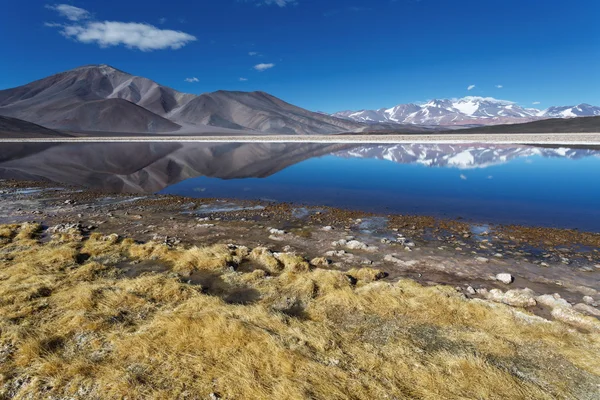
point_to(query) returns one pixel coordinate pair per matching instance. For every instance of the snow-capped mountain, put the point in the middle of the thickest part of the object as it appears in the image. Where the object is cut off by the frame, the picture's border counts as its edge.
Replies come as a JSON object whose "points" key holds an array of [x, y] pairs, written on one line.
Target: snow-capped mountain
{"points": [[461, 156], [469, 110], [581, 110]]}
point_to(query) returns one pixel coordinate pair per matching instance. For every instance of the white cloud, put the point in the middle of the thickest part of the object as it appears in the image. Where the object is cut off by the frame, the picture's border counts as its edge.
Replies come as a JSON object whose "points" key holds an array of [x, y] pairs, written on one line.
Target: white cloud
{"points": [[162, 20], [499, 86], [536, 102], [471, 87], [253, 53], [280, 3], [129, 34], [463, 177], [132, 35], [70, 12], [243, 79], [192, 80], [263, 67]]}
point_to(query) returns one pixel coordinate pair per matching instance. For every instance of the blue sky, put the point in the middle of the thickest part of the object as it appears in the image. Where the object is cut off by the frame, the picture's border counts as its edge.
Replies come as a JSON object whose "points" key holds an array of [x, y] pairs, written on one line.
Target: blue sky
{"points": [[325, 55]]}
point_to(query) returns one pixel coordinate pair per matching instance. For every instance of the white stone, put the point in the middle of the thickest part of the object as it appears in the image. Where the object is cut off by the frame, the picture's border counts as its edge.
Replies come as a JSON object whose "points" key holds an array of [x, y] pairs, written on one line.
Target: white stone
{"points": [[327, 228], [482, 259], [505, 278], [587, 309], [553, 301]]}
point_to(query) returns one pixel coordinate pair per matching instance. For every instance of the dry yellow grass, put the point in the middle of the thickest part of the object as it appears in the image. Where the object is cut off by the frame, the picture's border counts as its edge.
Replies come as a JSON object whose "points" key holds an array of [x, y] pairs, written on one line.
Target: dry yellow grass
{"points": [[73, 324]]}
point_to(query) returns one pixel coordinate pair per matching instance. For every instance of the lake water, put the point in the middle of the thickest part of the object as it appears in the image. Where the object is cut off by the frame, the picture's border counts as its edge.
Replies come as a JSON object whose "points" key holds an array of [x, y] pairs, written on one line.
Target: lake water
{"points": [[481, 183]]}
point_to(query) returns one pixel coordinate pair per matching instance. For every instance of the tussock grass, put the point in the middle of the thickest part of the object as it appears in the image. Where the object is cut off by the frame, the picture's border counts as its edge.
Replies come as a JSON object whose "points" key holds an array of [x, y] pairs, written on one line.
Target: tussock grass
{"points": [[73, 325]]}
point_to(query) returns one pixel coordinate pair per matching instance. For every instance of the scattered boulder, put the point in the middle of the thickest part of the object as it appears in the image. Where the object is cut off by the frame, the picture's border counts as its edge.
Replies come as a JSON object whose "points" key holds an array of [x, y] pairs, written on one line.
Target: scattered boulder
{"points": [[515, 298], [571, 317], [320, 262], [587, 309], [505, 278], [482, 259], [327, 228], [471, 291], [553, 301], [333, 253], [589, 300], [393, 259], [274, 231]]}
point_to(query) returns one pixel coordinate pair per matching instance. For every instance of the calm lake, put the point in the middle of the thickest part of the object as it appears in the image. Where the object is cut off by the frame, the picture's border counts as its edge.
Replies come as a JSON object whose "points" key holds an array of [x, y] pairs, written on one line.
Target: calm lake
{"points": [[482, 183]]}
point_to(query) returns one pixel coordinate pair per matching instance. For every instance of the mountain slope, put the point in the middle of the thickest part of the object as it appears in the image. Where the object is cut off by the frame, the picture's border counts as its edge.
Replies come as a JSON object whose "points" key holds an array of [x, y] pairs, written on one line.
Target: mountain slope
{"points": [[466, 111], [93, 98], [571, 125], [103, 98], [16, 128], [258, 111]]}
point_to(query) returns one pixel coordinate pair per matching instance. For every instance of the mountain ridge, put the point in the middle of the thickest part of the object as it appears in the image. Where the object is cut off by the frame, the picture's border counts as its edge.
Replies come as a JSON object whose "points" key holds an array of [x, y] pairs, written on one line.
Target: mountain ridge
{"points": [[57, 100], [469, 110]]}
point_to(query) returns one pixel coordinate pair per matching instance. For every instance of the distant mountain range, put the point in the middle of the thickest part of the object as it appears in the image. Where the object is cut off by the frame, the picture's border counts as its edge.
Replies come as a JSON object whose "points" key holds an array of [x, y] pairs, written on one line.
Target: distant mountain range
{"points": [[101, 98], [466, 111], [461, 156]]}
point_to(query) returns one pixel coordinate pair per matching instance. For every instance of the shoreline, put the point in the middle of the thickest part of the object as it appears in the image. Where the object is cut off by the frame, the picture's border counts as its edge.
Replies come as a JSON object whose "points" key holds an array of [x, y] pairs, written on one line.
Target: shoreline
{"points": [[530, 252], [514, 138], [101, 286]]}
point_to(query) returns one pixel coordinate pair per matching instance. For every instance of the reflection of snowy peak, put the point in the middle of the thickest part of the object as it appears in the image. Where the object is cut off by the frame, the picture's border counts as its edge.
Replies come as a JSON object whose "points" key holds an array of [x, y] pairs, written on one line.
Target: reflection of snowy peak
{"points": [[465, 111], [463, 156]]}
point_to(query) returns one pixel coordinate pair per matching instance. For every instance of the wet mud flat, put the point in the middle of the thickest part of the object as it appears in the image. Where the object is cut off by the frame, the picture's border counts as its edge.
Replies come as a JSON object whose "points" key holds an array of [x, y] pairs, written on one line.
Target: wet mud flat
{"points": [[431, 251]]}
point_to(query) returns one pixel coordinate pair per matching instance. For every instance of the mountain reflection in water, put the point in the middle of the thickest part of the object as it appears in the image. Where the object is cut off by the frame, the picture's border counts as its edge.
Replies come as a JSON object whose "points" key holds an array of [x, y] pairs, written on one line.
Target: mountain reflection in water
{"points": [[491, 183]]}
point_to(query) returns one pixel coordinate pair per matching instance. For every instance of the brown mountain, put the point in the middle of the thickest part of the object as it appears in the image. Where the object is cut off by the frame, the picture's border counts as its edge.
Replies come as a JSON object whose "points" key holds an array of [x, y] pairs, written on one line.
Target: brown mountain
{"points": [[17, 128], [102, 98]]}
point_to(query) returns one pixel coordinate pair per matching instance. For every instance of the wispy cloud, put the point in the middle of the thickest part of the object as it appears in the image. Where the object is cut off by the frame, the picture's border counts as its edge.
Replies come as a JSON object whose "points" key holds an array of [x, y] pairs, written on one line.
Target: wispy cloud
{"points": [[536, 103], [280, 3], [463, 177], [499, 86], [132, 35], [192, 80], [263, 67], [253, 53], [162, 20], [243, 79], [471, 87], [331, 13], [72, 13]]}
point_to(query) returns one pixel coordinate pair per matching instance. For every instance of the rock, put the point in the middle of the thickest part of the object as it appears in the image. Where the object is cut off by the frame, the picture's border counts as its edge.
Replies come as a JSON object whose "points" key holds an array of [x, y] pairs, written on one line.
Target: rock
{"points": [[333, 253], [552, 301], [482, 259], [274, 231], [356, 245], [327, 228], [393, 259], [544, 264], [498, 255], [576, 319], [505, 278], [214, 396], [205, 225], [320, 262], [587, 309], [515, 298], [471, 291], [597, 266], [341, 242], [589, 300]]}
